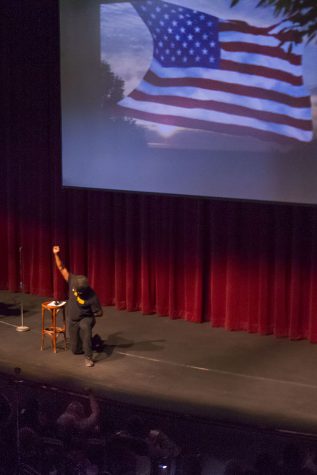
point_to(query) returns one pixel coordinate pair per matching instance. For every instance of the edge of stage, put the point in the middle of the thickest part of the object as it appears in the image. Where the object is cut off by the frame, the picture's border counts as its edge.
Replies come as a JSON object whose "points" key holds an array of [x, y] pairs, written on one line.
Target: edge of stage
{"points": [[172, 365]]}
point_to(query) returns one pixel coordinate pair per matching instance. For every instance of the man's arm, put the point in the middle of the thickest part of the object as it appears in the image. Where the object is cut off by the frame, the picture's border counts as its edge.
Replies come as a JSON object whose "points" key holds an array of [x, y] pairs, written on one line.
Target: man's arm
{"points": [[97, 308], [59, 263], [98, 312], [90, 422]]}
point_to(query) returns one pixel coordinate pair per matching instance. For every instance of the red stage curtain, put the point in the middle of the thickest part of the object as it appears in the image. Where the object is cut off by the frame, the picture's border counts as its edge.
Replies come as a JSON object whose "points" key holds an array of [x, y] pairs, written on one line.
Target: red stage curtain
{"points": [[242, 266]]}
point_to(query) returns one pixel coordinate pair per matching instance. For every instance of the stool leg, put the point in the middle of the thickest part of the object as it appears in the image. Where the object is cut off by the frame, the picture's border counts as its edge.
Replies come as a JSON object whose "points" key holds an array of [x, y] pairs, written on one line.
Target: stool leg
{"points": [[54, 329], [65, 341]]}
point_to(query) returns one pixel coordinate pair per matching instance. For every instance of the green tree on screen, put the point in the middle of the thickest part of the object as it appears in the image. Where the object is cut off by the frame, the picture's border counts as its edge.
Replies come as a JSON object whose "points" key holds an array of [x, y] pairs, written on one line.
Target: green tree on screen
{"points": [[303, 14]]}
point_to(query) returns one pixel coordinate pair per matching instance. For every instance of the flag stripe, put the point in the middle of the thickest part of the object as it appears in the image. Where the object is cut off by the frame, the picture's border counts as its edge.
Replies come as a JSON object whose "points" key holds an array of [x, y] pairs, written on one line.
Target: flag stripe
{"points": [[180, 121], [214, 116], [210, 84], [257, 70], [267, 62], [230, 76], [233, 36], [243, 27], [263, 50], [228, 98], [222, 107], [271, 51]]}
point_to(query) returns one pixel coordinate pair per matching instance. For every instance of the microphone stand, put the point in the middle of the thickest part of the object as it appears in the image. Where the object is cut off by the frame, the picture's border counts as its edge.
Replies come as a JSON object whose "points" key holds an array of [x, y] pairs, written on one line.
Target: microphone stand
{"points": [[22, 327]]}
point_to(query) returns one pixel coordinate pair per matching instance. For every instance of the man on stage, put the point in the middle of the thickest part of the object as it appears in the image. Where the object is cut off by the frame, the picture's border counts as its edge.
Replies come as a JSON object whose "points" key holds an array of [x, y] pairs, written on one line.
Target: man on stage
{"points": [[82, 308]]}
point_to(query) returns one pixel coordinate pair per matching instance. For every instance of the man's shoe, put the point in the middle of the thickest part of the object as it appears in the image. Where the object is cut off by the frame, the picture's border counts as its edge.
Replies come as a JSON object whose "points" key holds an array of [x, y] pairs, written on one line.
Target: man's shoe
{"points": [[89, 362]]}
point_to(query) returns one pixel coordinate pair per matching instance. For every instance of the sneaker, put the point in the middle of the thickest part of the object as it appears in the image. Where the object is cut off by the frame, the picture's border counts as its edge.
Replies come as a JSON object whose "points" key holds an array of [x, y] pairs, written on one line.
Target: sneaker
{"points": [[89, 362]]}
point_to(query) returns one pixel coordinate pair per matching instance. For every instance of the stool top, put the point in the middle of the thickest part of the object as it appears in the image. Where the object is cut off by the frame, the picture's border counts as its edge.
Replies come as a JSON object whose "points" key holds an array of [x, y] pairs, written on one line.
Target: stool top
{"points": [[54, 304]]}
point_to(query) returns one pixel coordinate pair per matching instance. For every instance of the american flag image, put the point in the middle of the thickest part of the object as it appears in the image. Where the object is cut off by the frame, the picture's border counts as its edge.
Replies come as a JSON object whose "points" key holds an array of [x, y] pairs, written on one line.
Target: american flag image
{"points": [[223, 76]]}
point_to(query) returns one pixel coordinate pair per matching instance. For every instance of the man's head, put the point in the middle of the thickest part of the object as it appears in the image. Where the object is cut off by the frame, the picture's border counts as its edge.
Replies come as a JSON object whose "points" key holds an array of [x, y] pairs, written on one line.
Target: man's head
{"points": [[80, 283]]}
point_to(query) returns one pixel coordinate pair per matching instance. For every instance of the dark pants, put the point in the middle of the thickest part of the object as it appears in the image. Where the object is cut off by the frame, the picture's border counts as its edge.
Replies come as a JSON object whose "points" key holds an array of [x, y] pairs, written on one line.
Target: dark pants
{"points": [[80, 335]]}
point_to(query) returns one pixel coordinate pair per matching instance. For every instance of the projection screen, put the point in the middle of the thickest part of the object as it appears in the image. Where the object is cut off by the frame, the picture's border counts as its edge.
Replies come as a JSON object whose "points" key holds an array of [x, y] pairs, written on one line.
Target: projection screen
{"points": [[190, 97]]}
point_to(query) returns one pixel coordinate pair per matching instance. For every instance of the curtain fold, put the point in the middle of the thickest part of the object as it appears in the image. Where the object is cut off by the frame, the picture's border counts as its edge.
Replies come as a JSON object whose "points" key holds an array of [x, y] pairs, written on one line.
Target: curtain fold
{"points": [[241, 266]]}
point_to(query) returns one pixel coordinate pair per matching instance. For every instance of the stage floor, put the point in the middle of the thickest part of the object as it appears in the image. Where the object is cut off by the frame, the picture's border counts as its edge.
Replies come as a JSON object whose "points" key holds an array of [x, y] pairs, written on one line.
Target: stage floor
{"points": [[173, 365]]}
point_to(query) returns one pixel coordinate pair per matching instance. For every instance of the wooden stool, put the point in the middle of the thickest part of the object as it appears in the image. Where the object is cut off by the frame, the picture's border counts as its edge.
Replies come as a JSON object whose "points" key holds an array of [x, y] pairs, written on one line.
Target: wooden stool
{"points": [[53, 331]]}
